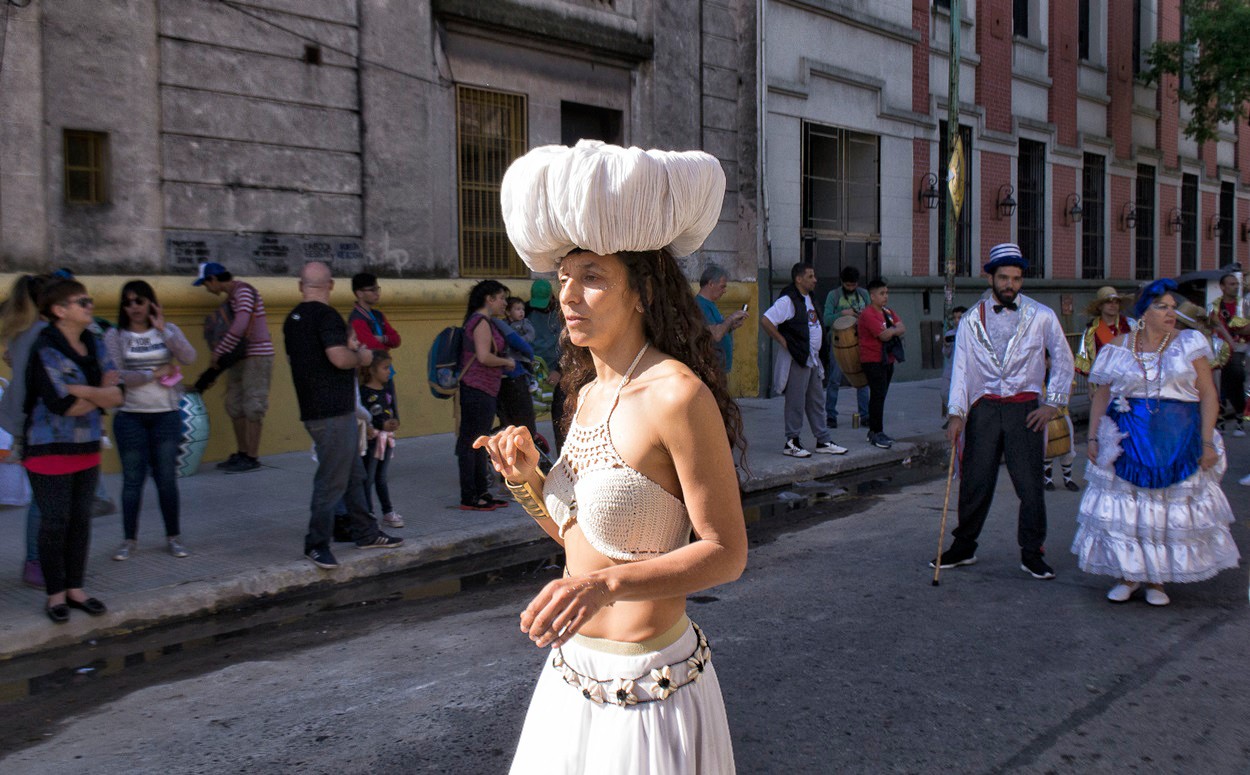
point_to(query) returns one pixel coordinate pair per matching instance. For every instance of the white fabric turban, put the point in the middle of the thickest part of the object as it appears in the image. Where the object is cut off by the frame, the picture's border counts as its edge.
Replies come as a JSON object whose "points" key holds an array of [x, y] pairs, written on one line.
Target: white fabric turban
{"points": [[607, 199]]}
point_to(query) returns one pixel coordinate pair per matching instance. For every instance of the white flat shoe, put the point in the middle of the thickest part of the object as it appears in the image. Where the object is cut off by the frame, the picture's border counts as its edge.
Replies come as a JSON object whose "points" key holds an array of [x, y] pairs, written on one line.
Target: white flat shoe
{"points": [[1121, 592], [1157, 596]]}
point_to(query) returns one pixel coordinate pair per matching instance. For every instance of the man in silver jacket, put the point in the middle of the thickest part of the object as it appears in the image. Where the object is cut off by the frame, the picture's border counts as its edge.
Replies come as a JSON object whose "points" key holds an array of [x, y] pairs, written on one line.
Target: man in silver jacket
{"points": [[1000, 402]]}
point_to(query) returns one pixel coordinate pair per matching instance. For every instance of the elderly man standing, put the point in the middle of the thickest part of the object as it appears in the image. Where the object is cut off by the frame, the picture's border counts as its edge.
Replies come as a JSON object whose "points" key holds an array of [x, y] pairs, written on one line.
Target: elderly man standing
{"points": [[324, 356], [1000, 394], [247, 380], [712, 284], [797, 363]]}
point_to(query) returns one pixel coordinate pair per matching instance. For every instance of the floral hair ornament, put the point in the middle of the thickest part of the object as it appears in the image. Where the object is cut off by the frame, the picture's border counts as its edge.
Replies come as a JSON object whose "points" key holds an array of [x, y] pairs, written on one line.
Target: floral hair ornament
{"points": [[608, 199], [1150, 293]]}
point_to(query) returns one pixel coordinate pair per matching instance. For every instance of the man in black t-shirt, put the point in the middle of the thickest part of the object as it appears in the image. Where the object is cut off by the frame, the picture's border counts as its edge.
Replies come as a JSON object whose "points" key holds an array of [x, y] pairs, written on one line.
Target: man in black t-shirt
{"points": [[324, 356]]}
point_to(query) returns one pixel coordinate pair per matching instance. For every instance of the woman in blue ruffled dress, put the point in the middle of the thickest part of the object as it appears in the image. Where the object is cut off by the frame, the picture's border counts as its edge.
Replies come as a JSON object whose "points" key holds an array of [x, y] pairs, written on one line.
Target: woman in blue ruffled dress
{"points": [[1153, 512]]}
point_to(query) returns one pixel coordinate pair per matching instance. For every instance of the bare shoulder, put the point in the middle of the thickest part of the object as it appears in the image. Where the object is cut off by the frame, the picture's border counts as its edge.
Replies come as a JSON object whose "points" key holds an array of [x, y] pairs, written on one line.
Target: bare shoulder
{"points": [[672, 390]]}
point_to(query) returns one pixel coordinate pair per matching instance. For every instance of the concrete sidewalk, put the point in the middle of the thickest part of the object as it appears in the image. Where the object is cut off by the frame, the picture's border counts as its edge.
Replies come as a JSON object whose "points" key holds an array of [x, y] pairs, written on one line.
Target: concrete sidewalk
{"points": [[245, 531]]}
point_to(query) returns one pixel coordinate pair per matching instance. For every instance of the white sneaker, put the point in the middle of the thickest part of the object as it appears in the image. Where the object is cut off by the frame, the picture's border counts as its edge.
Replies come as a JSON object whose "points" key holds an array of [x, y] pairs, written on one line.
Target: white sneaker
{"points": [[794, 449], [1121, 592], [829, 448], [391, 519], [1244, 481]]}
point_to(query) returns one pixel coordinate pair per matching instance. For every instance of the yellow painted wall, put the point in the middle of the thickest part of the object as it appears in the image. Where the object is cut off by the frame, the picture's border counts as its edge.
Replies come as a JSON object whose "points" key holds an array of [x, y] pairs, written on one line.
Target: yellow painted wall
{"points": [[418, 309]]}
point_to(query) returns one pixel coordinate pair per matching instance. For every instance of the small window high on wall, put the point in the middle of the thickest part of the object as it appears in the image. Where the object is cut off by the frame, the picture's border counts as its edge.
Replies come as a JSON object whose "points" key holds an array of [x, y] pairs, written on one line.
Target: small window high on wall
{"points": [[86, 167], [491, 132]]}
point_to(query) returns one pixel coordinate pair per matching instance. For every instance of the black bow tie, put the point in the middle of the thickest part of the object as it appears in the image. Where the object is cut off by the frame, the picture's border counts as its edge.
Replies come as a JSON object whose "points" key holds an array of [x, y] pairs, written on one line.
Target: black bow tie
{"points": [[1011, 305]]}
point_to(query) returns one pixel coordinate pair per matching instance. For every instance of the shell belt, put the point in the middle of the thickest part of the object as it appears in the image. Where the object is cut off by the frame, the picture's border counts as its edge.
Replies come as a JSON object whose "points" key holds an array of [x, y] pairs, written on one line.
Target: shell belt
{"points": [[658, 684]]}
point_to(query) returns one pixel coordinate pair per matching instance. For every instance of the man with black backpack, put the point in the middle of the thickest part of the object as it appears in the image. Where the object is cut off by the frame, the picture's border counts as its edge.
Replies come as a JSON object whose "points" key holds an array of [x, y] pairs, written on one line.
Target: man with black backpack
{"points": [[245, 352]]}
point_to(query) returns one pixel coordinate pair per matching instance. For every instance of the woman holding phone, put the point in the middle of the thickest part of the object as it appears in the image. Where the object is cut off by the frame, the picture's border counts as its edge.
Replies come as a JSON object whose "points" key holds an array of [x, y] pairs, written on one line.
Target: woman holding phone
{"points": [[147, 349]]}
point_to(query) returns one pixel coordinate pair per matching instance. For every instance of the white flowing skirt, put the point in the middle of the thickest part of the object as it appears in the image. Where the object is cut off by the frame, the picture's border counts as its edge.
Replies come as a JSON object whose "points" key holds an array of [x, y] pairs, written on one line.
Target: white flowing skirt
{"points": [[568, 731], [1173, 534]]}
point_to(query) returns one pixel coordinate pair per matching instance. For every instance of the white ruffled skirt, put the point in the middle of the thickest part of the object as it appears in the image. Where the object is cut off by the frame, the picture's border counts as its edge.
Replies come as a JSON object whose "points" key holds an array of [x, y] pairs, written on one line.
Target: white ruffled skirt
{"points": [[577, 724], [1173, 534]]}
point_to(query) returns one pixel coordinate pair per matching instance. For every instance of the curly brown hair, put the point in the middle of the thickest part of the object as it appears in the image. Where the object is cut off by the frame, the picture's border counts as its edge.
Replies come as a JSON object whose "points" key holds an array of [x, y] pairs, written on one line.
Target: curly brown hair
{"points": [[673, 324]]}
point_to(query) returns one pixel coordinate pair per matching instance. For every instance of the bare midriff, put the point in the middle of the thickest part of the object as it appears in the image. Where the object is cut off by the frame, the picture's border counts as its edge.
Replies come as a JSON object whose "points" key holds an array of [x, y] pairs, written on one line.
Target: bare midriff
{"points": [[629, 621]]}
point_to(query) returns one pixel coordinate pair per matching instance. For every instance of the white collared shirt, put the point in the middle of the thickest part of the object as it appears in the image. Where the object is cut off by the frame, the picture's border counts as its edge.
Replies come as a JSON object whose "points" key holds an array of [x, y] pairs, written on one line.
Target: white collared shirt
{"points": [[1012, 365]]}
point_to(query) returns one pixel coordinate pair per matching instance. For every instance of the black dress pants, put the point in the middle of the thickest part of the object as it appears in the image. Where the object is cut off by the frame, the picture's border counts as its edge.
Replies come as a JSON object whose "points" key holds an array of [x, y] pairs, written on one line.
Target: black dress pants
{"points": [[1233, 383], [879, 376], [994, 429]]}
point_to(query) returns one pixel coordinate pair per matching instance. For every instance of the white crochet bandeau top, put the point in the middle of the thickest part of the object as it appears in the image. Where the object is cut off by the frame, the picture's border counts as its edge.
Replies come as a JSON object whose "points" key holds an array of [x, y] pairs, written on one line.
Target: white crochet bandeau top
{"points": [[624, 515]]}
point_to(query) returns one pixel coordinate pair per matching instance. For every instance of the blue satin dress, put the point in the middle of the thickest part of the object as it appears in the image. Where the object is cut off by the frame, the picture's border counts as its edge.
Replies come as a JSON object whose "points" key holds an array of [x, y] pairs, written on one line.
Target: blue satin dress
{"points": [[1149, 512]]}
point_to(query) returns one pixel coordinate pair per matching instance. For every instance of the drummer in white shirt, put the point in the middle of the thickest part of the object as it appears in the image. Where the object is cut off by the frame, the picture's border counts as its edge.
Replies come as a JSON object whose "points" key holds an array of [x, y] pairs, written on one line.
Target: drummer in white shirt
{"points": [[798, 370]]}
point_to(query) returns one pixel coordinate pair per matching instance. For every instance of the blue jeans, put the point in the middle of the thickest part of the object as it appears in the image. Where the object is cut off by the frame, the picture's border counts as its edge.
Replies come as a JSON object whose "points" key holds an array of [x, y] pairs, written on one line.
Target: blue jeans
{"points": [[340, 474], [375, 477], [148, 441], [831, 393]]}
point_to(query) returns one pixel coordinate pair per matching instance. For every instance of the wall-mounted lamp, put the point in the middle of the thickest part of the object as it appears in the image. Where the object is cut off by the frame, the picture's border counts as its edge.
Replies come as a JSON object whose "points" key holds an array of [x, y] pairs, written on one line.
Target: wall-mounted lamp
{"points": [[1175, 221], [1215, 228], [1073, 208], [1129, 216], [1006, 203], [929, 192]]}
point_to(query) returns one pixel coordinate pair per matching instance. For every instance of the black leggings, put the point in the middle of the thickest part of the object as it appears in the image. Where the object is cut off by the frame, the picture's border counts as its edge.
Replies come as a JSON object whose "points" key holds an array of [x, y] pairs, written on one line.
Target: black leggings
{"points": [[879, 376], [65, 526]]}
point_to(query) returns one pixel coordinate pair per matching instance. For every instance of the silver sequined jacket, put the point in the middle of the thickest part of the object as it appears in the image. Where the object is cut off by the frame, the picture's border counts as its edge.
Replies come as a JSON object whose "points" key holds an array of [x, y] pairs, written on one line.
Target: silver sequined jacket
{"points": [[977, 371]]}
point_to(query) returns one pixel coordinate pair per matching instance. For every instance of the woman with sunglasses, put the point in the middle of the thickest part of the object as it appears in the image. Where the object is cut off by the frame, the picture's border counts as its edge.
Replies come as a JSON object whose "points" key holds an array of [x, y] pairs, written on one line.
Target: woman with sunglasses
{"points": [[70, 381], [148, 427]]}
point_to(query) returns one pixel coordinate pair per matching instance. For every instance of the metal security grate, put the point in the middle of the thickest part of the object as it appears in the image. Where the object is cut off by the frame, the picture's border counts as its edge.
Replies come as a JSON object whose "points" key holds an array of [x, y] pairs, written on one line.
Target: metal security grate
{"points": [[491, 132]]}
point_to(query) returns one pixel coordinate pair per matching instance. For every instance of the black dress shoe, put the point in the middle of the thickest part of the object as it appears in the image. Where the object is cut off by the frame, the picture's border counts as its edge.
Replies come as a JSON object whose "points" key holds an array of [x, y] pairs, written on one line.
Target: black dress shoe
{"points": [[90, 605], [59, 614]]}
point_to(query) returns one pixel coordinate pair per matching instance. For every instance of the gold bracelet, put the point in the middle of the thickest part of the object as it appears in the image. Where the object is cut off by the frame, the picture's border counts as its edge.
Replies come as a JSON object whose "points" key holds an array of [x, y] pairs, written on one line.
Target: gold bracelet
{"points": [[529, 500]]}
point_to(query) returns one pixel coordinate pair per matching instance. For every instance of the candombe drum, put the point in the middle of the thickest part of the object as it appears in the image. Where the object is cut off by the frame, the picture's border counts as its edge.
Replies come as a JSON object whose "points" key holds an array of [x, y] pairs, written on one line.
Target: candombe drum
{"points": [[194, 433], [846, 350], [1059, 435]]}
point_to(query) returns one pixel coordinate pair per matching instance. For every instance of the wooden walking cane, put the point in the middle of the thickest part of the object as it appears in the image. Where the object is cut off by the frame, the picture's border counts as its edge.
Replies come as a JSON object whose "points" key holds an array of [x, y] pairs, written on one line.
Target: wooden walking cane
{"points": [[950, 475]]}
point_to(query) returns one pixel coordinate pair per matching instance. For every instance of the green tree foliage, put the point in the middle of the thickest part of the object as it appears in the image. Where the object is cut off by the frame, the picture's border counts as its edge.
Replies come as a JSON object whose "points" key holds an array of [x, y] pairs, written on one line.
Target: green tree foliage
{"points": [[1212, 59]]}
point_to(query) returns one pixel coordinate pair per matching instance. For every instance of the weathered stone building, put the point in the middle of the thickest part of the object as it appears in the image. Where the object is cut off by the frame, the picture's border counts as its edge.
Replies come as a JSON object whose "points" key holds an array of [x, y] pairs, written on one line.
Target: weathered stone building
{"points": [[149, 135]]}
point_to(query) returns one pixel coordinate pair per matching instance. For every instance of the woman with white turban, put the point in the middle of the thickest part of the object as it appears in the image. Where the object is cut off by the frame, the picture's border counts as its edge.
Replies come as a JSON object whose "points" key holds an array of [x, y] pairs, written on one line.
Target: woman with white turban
{"points": [[628, 685]]}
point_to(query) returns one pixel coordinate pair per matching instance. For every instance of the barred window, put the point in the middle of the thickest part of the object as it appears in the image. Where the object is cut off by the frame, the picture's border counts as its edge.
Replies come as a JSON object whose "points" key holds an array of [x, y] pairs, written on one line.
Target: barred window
{"points": [[1144, 230], [1189, 223], [1031, 179], [86, 167], [1093, 225], [491, 132], [1225, 231]]}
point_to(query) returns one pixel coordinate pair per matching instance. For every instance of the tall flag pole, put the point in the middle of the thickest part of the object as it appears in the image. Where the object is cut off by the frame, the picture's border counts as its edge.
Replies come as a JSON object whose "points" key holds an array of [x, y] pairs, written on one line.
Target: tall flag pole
{"points": [[956, 166]]}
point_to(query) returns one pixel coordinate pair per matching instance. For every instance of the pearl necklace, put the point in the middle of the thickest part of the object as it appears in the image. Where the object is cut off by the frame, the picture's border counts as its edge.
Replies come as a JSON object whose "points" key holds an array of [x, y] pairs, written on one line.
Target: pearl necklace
{"points": [[1141, 362]]}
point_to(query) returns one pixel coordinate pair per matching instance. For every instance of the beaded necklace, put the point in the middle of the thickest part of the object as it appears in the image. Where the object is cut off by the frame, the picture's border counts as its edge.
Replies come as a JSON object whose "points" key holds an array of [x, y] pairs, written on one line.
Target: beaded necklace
{"points": [[1141, 362]]}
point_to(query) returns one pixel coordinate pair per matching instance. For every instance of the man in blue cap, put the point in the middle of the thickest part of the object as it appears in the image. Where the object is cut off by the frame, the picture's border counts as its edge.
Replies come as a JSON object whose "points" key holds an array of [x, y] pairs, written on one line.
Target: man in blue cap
{"points": [[1000, 396]]}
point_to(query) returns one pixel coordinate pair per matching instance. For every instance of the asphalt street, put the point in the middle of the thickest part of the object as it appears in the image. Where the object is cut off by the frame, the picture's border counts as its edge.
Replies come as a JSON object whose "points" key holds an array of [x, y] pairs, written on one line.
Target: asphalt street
{"points": [[835, 652]]}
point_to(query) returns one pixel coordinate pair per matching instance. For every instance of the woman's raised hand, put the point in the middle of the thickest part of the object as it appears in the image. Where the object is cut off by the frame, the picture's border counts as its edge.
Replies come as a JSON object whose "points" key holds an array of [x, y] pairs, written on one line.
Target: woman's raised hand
{"points": [[512, 451]]}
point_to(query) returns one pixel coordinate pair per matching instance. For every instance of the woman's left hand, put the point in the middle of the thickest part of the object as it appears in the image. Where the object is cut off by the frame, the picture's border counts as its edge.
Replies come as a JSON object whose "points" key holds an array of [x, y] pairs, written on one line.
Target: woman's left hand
{"points": [[157, 316], [561, 608], [1209, 457]]}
